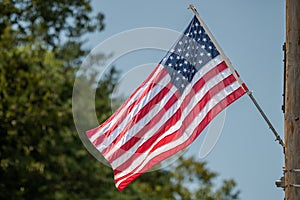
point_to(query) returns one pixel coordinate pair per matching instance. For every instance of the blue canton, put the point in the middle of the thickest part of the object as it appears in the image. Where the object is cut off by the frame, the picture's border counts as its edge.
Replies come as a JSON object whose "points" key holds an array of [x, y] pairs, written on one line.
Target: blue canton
{"points": [[192, 51]]}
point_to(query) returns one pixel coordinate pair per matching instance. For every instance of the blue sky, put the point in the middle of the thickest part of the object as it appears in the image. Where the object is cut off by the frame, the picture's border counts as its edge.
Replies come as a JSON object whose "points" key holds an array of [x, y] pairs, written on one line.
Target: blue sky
{"points": [[251, 33]]}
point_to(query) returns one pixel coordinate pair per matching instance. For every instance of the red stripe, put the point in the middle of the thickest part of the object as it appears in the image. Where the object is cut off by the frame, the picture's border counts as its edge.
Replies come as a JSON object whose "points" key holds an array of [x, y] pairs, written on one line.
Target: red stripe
{"points": [[126, 146], [175, 117], [210, 115], [243, 84], [157, 98], [195, 111], [101, 138], [208, 76], [245, 87], [173, 120], [90, 133]]}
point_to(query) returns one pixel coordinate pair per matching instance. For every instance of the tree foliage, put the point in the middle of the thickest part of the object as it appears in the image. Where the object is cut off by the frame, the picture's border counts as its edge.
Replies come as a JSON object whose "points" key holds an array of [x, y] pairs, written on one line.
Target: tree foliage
{"points": [[48, 21], [41, 155]]}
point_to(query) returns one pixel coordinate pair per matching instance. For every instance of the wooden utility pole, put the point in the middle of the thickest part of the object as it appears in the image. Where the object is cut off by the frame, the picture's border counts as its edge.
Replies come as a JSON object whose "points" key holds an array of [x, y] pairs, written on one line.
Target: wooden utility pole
{"points": [[292, 101]]}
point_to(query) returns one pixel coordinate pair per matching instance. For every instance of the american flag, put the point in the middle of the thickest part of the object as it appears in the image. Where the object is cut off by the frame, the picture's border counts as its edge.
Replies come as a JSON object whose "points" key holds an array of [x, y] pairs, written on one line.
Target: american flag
{"points": [[170, 109]]}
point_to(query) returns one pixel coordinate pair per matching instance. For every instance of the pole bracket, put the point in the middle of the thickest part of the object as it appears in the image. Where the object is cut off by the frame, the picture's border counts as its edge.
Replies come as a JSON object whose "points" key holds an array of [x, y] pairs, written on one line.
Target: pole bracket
{"points": [[292, 170], [294, 185]]}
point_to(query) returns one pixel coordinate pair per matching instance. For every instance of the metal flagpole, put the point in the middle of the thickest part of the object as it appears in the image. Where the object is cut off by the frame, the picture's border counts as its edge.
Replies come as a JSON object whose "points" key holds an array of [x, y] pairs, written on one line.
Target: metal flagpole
{"points": [[229, 64]]}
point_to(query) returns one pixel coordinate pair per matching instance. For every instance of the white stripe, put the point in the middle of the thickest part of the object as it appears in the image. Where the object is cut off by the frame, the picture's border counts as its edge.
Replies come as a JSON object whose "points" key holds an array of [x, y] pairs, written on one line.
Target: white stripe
{"points": [[214, 101], [141, 123], [154, 91], [217, 60], [147, 135], [132, 100], [174, 108], [210, 84], [111, 123]]}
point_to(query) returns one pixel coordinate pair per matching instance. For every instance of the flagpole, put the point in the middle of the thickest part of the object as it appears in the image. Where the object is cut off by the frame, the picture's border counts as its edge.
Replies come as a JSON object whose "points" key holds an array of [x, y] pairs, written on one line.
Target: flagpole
{"points": [[229, 64]]}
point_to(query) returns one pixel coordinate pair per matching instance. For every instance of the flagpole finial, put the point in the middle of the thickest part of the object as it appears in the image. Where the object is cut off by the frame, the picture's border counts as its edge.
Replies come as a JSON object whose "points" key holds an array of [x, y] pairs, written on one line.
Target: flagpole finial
{"points": [[191, 6]]}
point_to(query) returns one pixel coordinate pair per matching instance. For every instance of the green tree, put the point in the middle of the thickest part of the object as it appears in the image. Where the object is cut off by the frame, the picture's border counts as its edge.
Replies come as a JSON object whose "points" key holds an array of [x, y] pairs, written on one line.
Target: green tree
{"points": [[41, 155], [190, 173]]}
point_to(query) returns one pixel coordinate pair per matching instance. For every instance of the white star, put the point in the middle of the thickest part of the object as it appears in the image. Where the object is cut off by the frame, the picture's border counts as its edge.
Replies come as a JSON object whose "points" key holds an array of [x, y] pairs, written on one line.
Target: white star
{"points": [[201, 54], [208, 54], [204, 39], [196, 24], [203, 46], [179, 50]]}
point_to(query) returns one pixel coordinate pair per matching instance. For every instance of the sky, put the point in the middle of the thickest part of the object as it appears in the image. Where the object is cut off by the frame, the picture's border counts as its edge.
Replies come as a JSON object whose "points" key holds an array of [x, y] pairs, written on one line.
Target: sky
{"points": [[251, 33]]}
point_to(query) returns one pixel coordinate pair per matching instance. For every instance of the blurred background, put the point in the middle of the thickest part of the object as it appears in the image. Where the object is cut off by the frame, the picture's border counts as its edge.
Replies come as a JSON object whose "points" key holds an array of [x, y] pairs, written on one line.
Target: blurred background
{"points": [[43, 44]]}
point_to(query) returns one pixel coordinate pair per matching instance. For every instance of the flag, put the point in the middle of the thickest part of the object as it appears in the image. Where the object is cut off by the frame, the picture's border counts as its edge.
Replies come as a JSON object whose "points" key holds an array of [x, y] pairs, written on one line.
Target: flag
{"points": [[170, 109]]}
